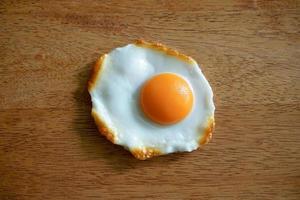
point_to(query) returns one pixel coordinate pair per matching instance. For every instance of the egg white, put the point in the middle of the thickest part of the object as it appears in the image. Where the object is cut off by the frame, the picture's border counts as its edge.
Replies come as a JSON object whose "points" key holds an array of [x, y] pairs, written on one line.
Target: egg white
{"points": [[115, 99]]}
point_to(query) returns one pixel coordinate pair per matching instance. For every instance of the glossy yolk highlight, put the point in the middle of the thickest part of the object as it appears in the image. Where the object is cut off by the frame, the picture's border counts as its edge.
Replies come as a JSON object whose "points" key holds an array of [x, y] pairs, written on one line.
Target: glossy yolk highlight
{"points": [[166, 98]]}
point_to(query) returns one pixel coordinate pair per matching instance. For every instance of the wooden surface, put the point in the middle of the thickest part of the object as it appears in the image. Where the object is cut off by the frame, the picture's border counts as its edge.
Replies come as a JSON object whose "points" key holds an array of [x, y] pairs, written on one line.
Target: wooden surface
{"points": [[49, 145]]}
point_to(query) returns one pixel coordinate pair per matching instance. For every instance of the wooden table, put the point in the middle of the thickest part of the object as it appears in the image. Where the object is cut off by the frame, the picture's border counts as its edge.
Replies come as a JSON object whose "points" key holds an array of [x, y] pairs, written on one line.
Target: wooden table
{"points": [[49, 145]]}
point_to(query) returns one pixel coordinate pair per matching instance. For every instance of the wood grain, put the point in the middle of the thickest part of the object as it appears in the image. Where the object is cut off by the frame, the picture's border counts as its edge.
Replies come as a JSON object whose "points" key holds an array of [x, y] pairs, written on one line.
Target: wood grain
{"points": [[49, 145]]}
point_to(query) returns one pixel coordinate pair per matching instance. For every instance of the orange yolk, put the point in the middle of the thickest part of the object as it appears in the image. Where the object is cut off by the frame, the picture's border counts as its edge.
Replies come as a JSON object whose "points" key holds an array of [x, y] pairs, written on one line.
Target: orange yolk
{"points": [[166, 98]]}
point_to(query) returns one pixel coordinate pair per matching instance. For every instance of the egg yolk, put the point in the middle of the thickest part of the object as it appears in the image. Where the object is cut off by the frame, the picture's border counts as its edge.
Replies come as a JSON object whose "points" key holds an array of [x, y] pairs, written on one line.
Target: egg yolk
{"points": [[166, 98]]}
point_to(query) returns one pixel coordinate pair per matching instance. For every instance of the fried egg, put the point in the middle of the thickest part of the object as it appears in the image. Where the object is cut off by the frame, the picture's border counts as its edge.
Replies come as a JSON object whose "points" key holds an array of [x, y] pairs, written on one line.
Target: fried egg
{"points": [[151, 100]]}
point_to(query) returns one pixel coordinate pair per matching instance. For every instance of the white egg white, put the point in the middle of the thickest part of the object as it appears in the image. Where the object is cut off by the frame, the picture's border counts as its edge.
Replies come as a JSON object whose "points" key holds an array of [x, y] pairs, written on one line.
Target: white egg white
{"points": [[115, 98]]}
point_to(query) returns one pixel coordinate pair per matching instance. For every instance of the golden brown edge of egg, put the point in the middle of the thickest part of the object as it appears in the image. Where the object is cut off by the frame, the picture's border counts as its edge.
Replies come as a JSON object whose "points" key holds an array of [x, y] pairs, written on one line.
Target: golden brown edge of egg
{"points": [[162, 48], [95, 72], [208, 131], [147, 152], [103, 128]]}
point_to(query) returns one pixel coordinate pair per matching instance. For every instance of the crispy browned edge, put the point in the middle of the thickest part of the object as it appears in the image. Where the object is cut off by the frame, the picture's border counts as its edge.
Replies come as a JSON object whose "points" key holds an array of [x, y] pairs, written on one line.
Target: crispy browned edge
{"points": [[103, 129], [147, 152], [207, 135], [162, 48], [95, 72]]}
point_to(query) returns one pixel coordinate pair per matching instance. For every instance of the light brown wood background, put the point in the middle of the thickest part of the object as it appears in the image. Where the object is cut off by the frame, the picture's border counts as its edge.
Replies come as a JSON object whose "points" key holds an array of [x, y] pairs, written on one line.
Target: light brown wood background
{"points": [[49, 145]]}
